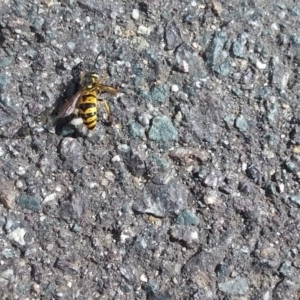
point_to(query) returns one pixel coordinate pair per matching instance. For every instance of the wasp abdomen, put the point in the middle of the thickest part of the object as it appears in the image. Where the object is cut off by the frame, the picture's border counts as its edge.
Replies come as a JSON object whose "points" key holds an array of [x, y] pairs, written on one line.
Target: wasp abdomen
{"points": [[88, 110]]}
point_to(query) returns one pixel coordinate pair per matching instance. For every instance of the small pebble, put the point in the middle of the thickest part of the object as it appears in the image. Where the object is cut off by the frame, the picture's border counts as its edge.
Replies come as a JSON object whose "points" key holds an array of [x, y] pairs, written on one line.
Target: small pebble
{"points": [[238, 286], [58, 188], [185, 67], [144, 119], [259, 65], [135, 14], [296, 149], [175, 88], [178, 116], [92, 185], [77, 60], [7, 274], [21, 171], [162, 130], [35, 288], [116, 158], [109, 175], [104, 182], [49, 198], [144, 30], [19, 184], [154, 220], [212, 198], [281, 187], [136, 130], [18, 236], [143, 278], [195, 45], [244, 167]]}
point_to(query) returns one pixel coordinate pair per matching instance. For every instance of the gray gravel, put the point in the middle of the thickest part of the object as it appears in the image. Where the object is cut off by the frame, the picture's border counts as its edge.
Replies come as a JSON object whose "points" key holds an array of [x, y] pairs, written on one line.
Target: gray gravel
{"points": [[193, 192]]}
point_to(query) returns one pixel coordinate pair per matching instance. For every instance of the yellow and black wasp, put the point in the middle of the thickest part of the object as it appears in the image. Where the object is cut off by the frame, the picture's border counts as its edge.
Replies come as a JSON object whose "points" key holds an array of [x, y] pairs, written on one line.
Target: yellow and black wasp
{"points": [[86, 99]]}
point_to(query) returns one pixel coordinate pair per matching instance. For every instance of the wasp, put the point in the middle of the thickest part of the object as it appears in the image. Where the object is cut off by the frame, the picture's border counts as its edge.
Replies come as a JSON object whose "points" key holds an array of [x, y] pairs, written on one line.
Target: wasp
{"points": [[86, 99]]}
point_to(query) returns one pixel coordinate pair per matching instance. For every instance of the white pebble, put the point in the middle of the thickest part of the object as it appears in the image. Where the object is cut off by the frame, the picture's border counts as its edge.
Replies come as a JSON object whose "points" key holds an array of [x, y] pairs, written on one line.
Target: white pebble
{"points": [[19, 184], [109, 175], [1, 151], [144, 119], [77, 60], [244, 167], [49, 198], [259, 65], [194, 235], [274, 26], [104, 182], [178, 116], [18, 236], [185, 66], [175, 88], [116, 158], [21, 171], [211, 199], [143, 278], [144, 30], [7, 274], [281, 187], [92, 185], [35, 288], [135, 14], [118, 30], [58, 188], [195, 45], [285, 79]]}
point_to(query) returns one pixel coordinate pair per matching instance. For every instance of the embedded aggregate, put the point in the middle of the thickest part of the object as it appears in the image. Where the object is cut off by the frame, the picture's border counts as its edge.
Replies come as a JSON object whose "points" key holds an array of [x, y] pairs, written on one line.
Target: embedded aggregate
{"points": [[192, 192]]}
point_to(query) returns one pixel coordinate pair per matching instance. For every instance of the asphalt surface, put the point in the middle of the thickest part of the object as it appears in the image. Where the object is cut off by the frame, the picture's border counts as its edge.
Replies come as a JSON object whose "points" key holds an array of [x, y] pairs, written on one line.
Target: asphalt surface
{"points": [[192, 192]]}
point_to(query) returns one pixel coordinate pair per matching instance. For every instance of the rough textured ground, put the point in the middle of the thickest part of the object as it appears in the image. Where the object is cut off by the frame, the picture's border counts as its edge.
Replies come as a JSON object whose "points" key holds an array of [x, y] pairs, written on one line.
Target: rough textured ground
{"points": [[193, 193]]}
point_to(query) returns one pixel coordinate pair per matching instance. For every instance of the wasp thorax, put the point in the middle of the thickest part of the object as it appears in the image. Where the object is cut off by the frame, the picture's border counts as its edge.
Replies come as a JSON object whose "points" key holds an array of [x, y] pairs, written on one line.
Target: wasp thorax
{"points": [[89, 79]]}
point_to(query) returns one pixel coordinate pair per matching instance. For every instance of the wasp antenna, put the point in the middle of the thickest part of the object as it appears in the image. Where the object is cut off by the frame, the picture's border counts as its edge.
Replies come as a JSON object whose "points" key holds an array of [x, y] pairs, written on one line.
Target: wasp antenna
{"points": [[97, 58]]}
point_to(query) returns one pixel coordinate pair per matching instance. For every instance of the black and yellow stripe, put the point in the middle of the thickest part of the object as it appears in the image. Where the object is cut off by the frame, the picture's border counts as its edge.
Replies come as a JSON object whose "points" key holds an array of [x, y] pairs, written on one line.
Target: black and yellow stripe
{"points": [[88, 108]]}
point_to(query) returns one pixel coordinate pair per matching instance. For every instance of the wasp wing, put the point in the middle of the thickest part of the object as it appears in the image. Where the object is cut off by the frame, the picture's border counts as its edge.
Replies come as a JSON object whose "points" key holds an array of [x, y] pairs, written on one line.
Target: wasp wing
{"points": [[69, 107]]}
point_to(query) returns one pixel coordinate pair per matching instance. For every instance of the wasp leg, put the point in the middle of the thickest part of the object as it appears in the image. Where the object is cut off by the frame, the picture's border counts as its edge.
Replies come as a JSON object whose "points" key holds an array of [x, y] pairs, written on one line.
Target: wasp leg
{"points": [[103, 78], [110, 117], [81, 75], [108, 89]]}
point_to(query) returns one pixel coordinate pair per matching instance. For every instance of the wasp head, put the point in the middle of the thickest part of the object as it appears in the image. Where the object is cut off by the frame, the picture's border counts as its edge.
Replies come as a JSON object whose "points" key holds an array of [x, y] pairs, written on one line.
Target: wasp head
{"points": [[88, 80]]}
